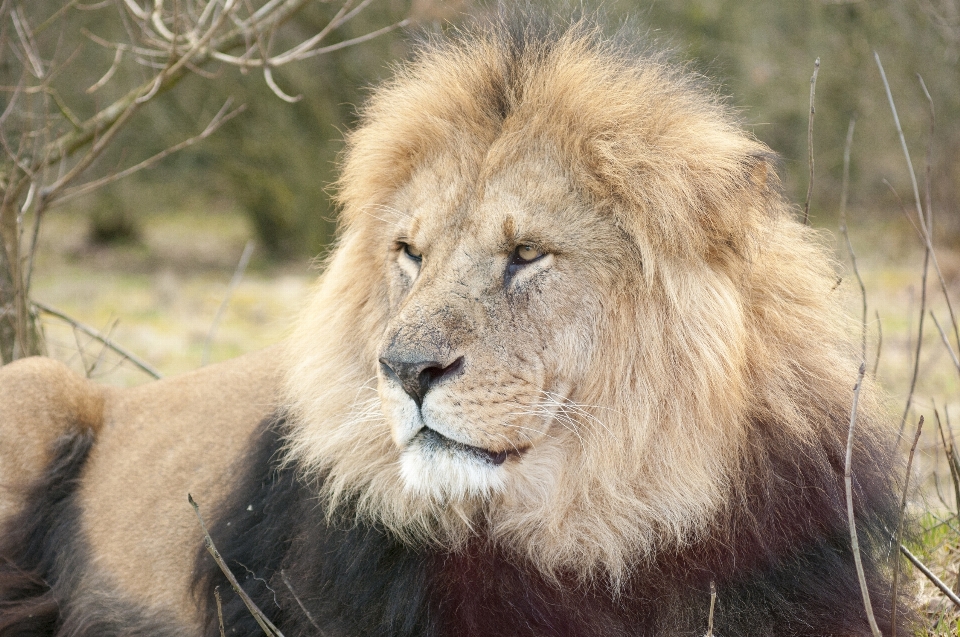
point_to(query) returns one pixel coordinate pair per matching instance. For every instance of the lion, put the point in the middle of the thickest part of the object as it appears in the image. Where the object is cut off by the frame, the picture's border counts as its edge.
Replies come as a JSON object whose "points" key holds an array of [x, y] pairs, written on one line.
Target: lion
{"points": [[572, 364]]}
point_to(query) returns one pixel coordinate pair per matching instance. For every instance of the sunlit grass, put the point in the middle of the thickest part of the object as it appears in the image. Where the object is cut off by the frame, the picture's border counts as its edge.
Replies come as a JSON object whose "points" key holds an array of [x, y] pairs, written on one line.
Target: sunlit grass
{"points": [[159, 297]]}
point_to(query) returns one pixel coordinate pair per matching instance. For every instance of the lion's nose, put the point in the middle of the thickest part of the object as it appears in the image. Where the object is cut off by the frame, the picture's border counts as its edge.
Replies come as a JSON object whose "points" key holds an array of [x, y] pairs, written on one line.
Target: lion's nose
{"points": [[417, 377]]}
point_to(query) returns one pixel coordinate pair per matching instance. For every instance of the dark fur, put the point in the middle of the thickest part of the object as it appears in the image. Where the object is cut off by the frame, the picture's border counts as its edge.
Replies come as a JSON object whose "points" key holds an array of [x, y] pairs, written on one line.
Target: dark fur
{"points": [[47, 587], [781, 562]]}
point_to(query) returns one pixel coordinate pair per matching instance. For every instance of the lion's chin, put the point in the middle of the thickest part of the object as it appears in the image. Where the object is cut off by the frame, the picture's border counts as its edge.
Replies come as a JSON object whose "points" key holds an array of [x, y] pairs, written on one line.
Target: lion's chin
{"points": [[443, 469]]}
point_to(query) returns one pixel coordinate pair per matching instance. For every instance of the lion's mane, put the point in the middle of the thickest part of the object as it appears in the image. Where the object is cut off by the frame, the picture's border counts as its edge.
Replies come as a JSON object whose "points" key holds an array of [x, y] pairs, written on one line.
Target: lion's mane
{"points": [[725, 352], [703, 442]]}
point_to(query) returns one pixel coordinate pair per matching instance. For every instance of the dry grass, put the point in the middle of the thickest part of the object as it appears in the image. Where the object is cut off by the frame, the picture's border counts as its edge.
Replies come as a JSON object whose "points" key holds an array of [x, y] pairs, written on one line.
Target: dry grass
{"points": [[159, 297]]}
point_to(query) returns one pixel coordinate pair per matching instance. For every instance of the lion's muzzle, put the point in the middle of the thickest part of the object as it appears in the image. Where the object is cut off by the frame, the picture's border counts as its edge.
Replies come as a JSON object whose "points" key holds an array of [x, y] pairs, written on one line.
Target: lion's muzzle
{"points": [[418, 376]]}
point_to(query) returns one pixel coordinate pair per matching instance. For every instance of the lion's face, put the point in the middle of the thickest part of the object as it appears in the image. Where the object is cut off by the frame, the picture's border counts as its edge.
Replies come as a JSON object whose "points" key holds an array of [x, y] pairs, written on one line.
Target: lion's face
{"points": [[475, 372]]}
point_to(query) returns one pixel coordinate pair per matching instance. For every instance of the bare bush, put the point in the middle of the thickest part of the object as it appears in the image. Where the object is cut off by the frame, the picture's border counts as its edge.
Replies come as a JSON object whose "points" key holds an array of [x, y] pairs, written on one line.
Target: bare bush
{"points": [[50, 139]]}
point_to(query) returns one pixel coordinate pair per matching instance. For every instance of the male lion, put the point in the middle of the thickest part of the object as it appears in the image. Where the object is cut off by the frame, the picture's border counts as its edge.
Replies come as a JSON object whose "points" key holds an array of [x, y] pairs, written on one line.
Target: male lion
{"points": [[572, 361]]}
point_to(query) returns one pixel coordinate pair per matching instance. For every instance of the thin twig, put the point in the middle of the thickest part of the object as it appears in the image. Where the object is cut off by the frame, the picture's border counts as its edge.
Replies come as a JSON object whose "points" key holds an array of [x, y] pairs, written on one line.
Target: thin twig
{"points": [[876, 361], [286, 582], [928, 187], [117, 58], [846, 234], [903, 507], [234, 282], [713, 602], [848, 481], [946, 342], [903, 141], [930, 576], [953, 461], [813, 111], [265, 624], [221, 118], [926, 230], [89, 331], [216, 595]]}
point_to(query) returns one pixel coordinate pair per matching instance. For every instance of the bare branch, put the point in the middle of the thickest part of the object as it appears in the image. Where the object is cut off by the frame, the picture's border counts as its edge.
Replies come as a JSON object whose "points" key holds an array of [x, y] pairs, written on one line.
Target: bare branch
{"points": [[813, 92], [268, 77], [953, 461], [946, 342], [713, 602], [89, 331], [848, 481], [876, 360], [354, 41], [903, 141], [903, 507], [924, 225], [117, 58], [29, 45], [930, 576], [216, 595], [234, 282], [268, 628], [843, 225], [286, 582], [221, 118]]}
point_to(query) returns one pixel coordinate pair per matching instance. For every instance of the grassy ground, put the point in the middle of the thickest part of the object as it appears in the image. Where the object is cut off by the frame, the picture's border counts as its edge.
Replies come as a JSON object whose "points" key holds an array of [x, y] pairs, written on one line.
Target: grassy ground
{"points": [[158, 297]]}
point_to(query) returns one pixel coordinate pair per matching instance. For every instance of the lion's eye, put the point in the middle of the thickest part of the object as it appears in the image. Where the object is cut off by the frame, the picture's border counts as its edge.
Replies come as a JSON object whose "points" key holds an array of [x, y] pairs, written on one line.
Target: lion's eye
{"points": [[412, 252], [528, 253], [523, 255]]}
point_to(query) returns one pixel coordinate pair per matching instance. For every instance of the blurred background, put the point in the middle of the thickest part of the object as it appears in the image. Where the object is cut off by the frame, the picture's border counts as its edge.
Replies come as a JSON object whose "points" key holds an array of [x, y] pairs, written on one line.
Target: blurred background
{"points": [[208, 252], [149, 258]]}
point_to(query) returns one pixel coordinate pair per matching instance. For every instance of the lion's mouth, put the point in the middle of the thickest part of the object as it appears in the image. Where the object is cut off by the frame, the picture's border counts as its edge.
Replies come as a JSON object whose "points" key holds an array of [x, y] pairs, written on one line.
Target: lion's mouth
{"points": [[436, 440]]}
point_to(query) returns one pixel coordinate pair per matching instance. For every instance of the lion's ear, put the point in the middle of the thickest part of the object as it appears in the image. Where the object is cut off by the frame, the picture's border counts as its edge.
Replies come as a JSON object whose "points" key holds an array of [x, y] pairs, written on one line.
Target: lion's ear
{"points": [[761, 173]]}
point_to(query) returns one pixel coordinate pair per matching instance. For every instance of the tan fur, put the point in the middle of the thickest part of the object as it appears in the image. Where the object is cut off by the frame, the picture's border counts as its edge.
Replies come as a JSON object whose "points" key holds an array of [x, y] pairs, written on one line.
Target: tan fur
{"points": [[154, 444], [679, 302], [40, 400]]}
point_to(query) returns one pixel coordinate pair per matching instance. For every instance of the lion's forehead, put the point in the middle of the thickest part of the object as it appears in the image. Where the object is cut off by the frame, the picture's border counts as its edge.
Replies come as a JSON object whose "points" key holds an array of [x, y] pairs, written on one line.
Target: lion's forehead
{"points": [[514, 195]]}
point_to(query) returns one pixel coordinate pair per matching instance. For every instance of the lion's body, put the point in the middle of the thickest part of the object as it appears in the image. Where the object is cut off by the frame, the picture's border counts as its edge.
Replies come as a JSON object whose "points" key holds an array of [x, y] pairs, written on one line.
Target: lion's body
{"points": [[171, 437], [571, 361]]}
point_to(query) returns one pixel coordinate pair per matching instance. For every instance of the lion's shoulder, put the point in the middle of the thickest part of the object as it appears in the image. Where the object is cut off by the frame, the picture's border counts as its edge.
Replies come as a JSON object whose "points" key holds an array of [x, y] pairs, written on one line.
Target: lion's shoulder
{"points": [[41, 400], [110, 476]]}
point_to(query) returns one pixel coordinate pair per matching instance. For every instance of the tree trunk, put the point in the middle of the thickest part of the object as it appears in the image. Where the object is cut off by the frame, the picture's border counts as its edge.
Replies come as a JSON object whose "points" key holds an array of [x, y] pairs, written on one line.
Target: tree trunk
{"points": [[19, 329]]}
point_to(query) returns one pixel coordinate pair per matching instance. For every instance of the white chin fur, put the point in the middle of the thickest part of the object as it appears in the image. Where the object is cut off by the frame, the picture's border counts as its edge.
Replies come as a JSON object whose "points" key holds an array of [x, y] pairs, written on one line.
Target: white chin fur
{"points": [[445, 475]]}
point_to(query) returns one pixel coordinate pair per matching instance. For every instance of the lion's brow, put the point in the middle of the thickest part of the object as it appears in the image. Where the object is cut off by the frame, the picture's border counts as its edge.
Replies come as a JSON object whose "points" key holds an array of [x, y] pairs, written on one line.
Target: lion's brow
{"points": [[509, 228]]}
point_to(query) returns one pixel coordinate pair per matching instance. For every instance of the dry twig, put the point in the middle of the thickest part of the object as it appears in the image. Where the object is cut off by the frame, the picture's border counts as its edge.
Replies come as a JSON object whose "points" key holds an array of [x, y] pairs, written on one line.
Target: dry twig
{"points": [[953, 459], [876, 360], [89, 331], [216, 595], [268, 628], [286, 582], [713, 602], [946, 342], [234, 282], [925, 220], [903, 507], [846, 234], [813, 92], [930, 576], [168, 39], [848, 482]]}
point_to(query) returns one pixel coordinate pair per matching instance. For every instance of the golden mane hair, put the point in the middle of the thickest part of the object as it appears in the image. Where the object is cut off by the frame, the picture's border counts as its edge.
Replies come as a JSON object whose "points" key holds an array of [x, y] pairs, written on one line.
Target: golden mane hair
{"points": [[727, 319]]}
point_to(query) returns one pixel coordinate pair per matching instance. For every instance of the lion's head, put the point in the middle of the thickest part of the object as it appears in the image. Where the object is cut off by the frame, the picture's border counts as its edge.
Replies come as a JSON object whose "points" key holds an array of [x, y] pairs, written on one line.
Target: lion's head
{"points": [[565, 293]]}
